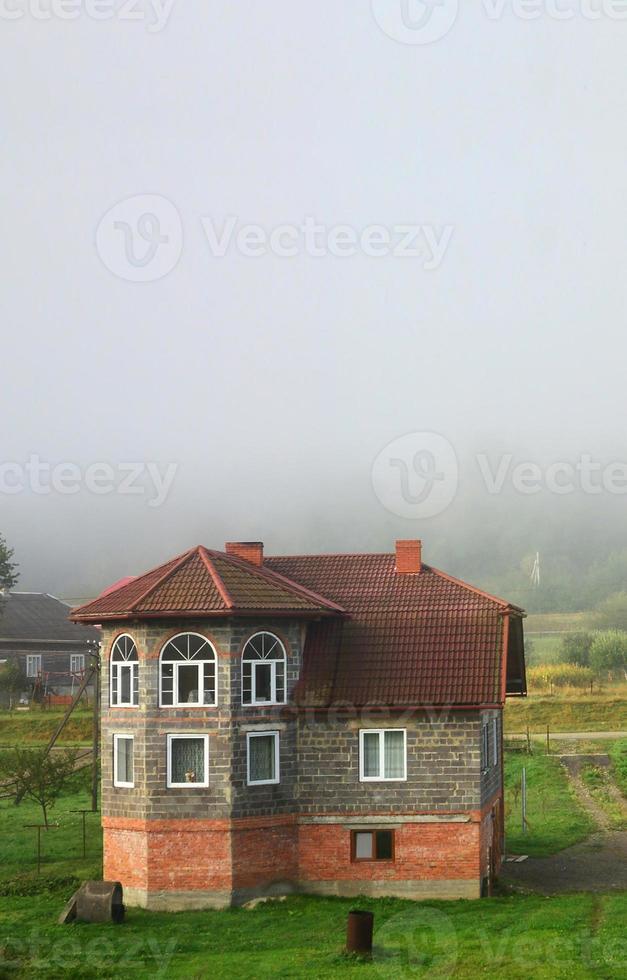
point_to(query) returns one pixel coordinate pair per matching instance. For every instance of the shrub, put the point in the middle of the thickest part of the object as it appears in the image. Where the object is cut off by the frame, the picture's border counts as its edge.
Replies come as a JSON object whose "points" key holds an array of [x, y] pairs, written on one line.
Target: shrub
{"points": [[608, 652], [576, 649]]}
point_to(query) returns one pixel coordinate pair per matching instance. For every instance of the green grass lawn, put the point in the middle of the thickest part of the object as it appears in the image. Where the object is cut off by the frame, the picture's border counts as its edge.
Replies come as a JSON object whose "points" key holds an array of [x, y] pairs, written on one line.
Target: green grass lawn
{"points": [[555, 819], [574, 936], [618, 755], [61, 846], [36, 726]]}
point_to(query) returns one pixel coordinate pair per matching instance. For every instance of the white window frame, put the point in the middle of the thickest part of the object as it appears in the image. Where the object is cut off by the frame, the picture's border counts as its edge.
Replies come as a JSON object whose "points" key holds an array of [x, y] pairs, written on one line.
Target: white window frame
{"points": [[200, 664], [197, 785], [485, 746], [277, 757], [495, 741], [118, 782], [37, 658], [381, 778], [81, 660], [114, 665], [254, 703]]}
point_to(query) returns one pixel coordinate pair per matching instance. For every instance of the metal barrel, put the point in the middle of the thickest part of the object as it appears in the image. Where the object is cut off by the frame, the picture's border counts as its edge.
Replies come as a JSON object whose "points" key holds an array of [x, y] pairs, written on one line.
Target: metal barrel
{"points": [[359, 932], [100, 901]]}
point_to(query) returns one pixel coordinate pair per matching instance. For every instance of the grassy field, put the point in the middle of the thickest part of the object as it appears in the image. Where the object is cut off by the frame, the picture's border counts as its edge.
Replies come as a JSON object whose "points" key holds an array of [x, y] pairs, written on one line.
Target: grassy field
{"points": [[573, 936], [36, 726], [600, 712], [577, 936], [618, 755], [555, 819]]}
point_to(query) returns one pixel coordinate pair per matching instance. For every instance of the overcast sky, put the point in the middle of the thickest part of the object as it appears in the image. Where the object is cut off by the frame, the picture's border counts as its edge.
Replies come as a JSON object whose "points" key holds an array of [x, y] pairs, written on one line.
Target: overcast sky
{"points": [[272, 382]]}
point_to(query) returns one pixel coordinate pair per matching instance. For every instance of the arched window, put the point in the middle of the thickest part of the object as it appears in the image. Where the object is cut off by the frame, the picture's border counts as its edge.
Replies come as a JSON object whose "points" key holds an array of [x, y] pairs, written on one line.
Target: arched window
{"points": [[263, 670], [188, 671], [124, 672]]}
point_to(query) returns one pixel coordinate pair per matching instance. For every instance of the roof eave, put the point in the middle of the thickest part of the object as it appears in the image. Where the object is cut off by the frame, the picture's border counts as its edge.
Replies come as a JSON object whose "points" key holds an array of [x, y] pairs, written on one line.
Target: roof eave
{"points": [[129, 615]]}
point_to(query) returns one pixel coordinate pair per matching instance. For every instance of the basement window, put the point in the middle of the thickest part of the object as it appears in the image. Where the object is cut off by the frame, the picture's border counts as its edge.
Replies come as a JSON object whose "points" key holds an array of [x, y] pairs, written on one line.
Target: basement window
{"points": [[188, 761], [372, 845], [382, 754], [123, 762], [263, 758]]}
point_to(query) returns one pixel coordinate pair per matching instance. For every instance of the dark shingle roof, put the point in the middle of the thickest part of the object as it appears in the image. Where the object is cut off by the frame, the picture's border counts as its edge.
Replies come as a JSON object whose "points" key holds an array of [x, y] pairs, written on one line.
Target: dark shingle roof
{"points": [[38, 616]]}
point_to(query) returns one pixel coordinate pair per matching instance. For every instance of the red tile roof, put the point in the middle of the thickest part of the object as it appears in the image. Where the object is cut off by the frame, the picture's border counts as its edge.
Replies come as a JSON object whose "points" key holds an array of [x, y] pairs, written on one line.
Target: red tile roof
{"points": [[204, 583], [377, 637], [422, 639]]}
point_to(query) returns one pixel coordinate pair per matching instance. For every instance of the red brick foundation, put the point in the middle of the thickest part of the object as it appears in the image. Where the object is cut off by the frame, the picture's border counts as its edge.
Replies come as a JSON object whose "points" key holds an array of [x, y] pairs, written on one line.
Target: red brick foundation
{"points": [[174, 864]]}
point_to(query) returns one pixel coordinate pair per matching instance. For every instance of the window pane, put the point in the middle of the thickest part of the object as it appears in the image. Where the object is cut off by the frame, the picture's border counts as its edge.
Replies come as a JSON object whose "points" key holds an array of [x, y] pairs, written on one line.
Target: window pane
{"points": [[247, 683], [114, 683], [125, 684], [187, 760], [135, 685], [363, 846], [261, 749], [263, 682], [125, 760], [394, 755], [371, 753], [280, 680], [188, 684], [209, 686], [384, 845], [167, 683]]}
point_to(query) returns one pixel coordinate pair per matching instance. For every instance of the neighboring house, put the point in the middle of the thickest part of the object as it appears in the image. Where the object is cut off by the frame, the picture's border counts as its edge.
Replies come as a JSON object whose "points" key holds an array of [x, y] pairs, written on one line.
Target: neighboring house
{"points": [[328, 724], [52, 652]]}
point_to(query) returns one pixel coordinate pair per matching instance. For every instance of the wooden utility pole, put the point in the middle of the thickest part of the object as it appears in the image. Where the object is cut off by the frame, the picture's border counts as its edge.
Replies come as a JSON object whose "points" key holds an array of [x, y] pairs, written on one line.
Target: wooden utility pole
{"points": [[95, 731]]}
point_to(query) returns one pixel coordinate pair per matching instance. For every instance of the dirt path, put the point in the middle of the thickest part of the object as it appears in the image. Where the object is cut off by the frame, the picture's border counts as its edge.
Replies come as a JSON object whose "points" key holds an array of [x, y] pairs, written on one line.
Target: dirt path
{"points": [[598, 864]]}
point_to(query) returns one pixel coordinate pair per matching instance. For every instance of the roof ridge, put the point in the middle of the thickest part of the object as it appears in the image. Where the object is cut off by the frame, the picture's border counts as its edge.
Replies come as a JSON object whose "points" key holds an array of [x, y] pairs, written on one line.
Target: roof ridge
{"points": [[335, 554], [269, 574], [474, 588], [215, 577], [175, 564]]}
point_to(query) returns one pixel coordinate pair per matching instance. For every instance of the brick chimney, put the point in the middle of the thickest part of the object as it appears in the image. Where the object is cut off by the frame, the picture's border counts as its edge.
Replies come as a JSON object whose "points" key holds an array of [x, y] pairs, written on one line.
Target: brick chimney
{"points": [[409, 557], [251, 551]]}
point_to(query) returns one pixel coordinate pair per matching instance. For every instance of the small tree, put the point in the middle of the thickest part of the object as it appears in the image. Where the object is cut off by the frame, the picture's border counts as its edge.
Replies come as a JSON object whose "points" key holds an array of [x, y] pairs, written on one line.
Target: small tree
{"points": [[576, 649], [12, 680], [608, 652], [37, 776], [8, 568]]}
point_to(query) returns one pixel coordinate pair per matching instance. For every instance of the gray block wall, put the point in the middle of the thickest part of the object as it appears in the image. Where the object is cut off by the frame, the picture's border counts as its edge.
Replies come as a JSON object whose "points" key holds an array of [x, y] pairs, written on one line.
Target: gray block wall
{"points": [[319, 751]]}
